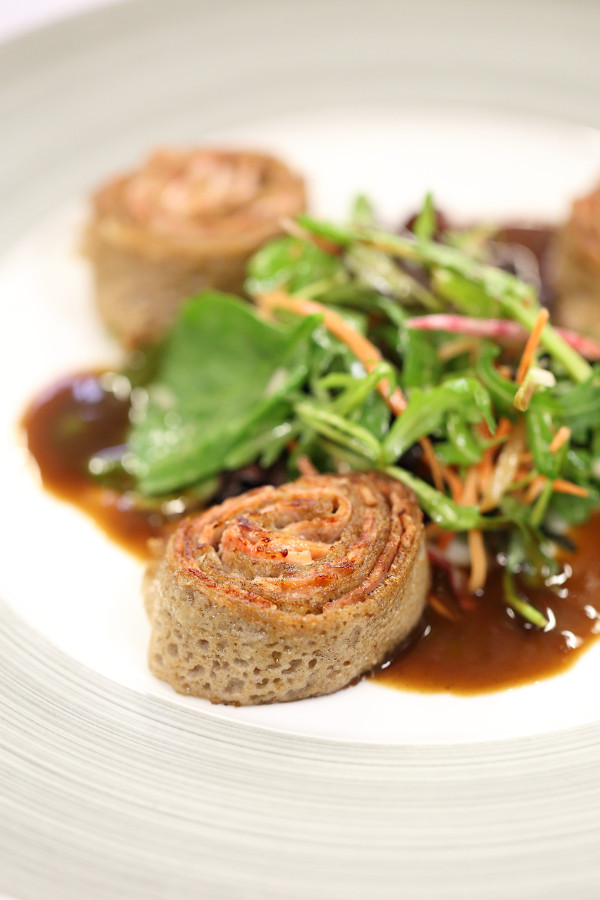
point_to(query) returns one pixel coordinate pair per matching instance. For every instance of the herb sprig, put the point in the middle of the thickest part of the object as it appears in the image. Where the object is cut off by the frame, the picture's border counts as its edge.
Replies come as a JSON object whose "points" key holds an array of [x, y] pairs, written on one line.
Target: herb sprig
{"points": [[338, 362]]}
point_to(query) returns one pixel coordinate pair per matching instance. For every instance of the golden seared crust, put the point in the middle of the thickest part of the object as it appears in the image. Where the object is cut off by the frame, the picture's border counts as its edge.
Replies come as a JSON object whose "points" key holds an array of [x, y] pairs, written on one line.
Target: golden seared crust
{"points": [[288, 592], [185, 221], [577, 267]]}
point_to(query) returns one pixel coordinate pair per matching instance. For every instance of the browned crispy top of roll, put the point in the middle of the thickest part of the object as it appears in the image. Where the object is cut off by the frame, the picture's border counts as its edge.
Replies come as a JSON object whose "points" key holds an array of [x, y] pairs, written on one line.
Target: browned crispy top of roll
{"points": [[583, 227], [311, 546], [200, 201]]}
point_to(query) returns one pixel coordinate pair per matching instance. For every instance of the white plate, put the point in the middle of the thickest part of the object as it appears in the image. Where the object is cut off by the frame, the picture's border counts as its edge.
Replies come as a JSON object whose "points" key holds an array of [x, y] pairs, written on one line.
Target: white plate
{"points": [[114, 784]]}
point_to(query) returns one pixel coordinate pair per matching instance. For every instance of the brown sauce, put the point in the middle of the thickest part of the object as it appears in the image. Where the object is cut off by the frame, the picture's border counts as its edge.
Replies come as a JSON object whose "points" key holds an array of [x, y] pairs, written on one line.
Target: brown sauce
{"points": [[65, 427], [488, 647], [482, 649]]}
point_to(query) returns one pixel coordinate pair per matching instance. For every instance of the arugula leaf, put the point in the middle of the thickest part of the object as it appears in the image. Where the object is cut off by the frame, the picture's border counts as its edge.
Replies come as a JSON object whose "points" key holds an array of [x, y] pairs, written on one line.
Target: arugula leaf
{"points": [[580, 406], [502, 390], [422, 366], [222, 373], [517, 300], [425, 224], [443, 509], [540, 431], [469, 297], [428, 409], [362, 213], [466, 444], [292, 263]]}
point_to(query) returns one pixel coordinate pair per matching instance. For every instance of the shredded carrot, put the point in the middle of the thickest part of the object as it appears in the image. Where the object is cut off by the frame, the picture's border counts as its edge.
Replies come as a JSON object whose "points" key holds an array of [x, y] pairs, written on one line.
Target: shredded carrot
{"points": [[433, 463], [475, 537], [293, 228], [532, 344], [503, 429], [478, 560], [305, 466], [469, 494], [486, 471], [505, 426], [454, 482], [441, 608], [567, 487], [560, 485], [535, 489], [362, 348], [560, 438]]}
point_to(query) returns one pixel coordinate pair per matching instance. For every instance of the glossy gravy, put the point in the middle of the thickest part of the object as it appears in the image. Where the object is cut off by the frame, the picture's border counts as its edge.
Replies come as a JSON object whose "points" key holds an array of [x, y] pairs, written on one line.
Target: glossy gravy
{"points": [[465, 651]]}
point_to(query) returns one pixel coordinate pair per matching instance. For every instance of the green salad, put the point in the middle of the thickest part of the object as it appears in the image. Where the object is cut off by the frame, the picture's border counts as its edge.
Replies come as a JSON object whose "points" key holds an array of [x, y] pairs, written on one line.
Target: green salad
{"points": [[408, 353]]}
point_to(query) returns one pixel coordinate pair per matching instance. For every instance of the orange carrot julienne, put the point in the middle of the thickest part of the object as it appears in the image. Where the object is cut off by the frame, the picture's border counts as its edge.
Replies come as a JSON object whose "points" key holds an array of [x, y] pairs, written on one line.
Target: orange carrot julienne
{"points": [[560, 485], [535, 489], [567, 487], [504, 428], [486, 471], [441, 608], [560, 438], [362, 348], [475, 540], [532, 344], [293, 228], [478, 560], [454, 482], [433, 463], [469, 494]]}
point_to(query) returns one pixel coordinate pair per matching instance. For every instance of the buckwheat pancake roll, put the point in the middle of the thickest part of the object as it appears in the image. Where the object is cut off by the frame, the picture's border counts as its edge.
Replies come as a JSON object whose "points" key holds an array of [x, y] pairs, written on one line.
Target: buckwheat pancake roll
{"points": [[184, 221], [289, 592], [577, 267]]}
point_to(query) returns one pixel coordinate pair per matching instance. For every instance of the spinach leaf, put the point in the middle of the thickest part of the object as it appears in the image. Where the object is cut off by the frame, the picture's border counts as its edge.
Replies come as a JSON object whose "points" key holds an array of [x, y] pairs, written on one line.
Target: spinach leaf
{"points": [[425, 224], [291, 263], [223, 372], [427, 410], [540, 432], [502, 390], [422, 366], [443, 509]]}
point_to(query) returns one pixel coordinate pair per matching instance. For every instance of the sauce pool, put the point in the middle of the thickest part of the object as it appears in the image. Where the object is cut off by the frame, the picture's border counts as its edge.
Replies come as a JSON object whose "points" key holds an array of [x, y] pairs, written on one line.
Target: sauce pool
{"points": [[468, 651], [65, 427]]}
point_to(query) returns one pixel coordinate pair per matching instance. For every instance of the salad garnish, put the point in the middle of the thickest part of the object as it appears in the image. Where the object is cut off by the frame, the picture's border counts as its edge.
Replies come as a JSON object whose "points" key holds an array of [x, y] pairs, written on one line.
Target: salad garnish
{"points": [[410, 353]]}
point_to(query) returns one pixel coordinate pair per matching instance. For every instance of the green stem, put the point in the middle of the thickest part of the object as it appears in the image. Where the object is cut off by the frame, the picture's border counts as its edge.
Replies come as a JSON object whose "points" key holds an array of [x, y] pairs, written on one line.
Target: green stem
{"points": [[539, 510], [525, 609], [350, 434], [442, 509], [518, 299], [574, 364]]}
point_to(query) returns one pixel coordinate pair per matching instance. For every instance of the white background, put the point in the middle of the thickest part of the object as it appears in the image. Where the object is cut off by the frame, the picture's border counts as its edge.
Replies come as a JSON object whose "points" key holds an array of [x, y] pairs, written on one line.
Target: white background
{"points": [[18, 17]]}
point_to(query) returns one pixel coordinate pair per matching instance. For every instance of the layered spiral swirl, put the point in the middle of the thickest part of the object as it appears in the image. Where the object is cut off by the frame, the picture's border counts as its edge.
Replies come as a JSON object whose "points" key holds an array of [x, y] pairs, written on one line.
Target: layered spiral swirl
{"points": [[288, 592], [184, 221], [577, 267]]}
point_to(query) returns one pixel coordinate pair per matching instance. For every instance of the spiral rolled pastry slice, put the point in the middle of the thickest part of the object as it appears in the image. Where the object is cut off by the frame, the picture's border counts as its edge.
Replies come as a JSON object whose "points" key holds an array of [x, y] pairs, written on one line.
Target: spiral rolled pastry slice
{"points": [[185, 221], [284, 593], [577, 267]]}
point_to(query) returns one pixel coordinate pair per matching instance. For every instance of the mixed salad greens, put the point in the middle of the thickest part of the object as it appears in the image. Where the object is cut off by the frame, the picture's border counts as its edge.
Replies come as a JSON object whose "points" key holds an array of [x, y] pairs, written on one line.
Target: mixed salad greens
{"points": [[411, 353]]}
